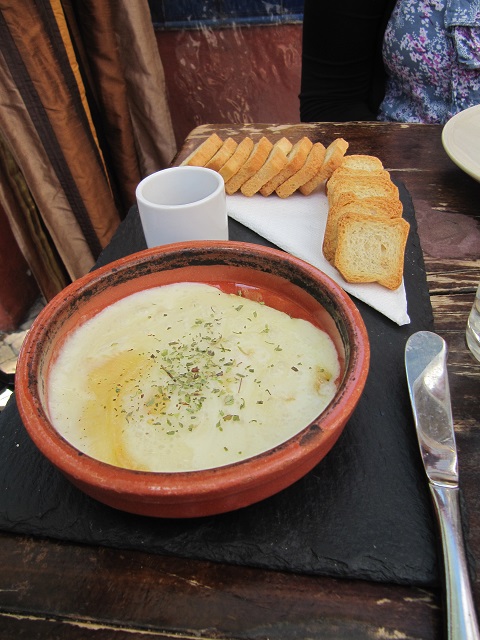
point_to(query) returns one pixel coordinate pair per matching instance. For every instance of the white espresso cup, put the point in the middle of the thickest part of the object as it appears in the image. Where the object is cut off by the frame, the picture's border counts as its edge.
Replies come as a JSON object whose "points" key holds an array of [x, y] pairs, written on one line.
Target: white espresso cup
{"points": [[182, 203]]}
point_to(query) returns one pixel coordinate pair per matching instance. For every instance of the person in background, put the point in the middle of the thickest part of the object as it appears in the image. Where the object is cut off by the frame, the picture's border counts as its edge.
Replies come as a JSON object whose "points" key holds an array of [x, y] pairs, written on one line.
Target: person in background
{"points": [[401, 61]]}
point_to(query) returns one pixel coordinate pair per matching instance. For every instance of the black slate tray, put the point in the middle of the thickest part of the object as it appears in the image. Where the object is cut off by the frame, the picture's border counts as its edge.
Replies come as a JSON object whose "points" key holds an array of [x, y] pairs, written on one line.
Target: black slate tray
{"points": [[363, 512]]}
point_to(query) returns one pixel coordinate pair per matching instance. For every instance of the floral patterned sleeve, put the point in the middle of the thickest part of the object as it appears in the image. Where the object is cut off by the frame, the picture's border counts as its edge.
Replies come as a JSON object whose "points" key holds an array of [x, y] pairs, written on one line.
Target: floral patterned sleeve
{"points": [[462, 21], [432, 55]]}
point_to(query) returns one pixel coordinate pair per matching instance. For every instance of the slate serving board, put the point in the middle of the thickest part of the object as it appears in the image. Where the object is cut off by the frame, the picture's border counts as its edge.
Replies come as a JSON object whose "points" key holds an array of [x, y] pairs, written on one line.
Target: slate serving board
{"points": [[363, 512]]}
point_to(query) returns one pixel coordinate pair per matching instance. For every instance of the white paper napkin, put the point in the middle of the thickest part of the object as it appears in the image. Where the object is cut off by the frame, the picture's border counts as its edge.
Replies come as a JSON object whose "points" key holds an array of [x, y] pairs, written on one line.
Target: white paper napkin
{"points": [[297, 224]]}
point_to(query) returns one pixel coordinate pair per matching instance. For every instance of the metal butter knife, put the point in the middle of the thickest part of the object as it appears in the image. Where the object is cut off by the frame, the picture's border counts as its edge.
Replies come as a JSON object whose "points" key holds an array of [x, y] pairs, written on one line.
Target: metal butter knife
{"points": [[426, 367]]}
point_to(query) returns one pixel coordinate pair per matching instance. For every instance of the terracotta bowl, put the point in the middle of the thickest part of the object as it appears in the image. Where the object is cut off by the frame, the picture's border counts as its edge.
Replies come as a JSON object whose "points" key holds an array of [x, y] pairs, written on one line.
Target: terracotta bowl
{"points": [[277, 278]]}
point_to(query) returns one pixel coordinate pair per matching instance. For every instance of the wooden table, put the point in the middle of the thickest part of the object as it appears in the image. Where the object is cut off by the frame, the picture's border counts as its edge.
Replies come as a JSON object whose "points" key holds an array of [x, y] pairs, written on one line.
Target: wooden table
{"points": [[60, 590]]}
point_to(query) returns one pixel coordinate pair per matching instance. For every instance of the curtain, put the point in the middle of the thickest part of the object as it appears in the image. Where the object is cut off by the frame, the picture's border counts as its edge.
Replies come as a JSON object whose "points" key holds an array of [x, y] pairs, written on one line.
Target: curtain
{"points": [[83, 118]]}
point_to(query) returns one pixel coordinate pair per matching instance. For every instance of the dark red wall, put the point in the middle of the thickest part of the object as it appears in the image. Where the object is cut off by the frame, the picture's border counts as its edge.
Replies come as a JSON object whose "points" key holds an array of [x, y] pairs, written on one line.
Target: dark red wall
{"points": [[18, 289], [237, 74]]}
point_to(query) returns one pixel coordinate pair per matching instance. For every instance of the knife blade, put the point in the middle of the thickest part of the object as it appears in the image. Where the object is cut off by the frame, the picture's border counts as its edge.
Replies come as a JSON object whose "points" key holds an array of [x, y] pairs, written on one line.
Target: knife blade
{"points": [[427, 378]]}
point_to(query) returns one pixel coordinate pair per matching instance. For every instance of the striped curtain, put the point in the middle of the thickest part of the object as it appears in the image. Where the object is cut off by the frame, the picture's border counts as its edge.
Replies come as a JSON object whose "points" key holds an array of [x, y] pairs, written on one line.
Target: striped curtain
{"points": [[83, 118]]}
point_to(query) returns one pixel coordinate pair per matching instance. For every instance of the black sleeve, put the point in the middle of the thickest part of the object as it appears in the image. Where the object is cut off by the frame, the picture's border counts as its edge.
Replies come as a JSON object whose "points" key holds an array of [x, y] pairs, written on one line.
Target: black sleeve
{"points": [[343, 77]]}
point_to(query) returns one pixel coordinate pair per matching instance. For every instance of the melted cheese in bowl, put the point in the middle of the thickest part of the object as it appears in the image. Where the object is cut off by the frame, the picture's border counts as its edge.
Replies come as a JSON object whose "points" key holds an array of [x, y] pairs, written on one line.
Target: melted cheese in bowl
{"points": [[185, 377]]}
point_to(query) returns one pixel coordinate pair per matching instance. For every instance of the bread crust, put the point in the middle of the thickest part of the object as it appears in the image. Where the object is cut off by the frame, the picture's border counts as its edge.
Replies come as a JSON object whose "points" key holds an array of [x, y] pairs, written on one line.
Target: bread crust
{"points": [[295, 161], [342, 174], [223, 155], [275, 162], [237, 160], [362, 187], [361, 162], [374, 207], [252, 165], [348, 197], [310, 168], [204, 152], [371, 249], [333, 159]]}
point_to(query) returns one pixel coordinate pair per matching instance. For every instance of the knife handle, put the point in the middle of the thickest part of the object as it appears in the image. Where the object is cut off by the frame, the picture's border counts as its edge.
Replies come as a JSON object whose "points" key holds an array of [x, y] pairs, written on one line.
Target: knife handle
{"points": [[461, 617]]}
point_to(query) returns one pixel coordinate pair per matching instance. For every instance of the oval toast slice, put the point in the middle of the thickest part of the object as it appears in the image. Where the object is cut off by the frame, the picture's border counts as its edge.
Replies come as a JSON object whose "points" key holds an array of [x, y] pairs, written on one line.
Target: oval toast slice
{"points": [[310, 168], [252, 165], [204, 152]]}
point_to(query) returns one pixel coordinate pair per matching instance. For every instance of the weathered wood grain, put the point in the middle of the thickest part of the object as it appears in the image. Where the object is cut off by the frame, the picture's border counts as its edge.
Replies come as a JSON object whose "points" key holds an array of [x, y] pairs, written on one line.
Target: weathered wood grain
{"points": [[111, 590]]}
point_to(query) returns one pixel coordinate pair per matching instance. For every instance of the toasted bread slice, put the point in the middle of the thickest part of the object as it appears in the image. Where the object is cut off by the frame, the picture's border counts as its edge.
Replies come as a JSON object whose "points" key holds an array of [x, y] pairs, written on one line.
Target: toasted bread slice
{"points": [[361, 162], [310, 168], [342, 174], [371, 249], [275, 162], [223, 155], [295, 161], [362, 186], [332, 160], [204, 152], [254, 162], [375, 207], [237, 160], [348, 197]]}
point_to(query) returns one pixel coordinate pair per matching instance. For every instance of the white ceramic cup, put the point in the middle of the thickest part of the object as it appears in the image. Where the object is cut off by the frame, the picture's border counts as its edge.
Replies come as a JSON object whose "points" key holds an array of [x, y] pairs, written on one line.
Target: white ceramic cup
{"points": [[182, 203]]}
